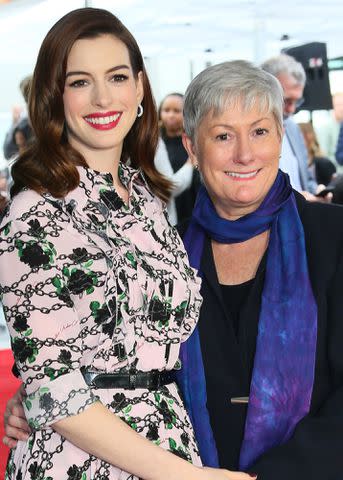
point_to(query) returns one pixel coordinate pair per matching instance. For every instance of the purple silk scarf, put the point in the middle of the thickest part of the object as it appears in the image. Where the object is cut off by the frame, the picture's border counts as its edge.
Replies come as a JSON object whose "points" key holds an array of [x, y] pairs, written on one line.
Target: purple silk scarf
{"points": [[283, 373]]}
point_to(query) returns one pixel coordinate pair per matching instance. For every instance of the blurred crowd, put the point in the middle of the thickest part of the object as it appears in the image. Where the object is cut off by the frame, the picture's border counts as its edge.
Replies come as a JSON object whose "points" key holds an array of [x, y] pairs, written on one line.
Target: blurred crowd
{"points": [[313, 170]]}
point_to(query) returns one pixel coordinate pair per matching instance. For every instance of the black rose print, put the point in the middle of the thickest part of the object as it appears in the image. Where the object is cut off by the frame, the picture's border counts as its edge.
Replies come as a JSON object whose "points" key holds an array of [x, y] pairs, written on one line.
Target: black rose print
{"points": [[34, 256]]}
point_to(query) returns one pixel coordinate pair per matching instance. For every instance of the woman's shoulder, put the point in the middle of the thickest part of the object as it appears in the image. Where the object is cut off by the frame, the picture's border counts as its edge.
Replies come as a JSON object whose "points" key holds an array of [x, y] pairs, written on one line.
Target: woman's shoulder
{"points": [[321, 220], [27, 203]]}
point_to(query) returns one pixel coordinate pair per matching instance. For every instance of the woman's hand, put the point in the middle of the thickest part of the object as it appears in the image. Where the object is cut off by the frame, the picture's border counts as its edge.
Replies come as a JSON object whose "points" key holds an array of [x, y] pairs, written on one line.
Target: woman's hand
{"points": [[16, 426], [221, 474]]}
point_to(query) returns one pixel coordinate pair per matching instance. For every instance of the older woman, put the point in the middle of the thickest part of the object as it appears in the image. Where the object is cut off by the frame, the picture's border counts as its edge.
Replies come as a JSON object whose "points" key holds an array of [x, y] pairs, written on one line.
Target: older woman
{"points": [[263, 372]]}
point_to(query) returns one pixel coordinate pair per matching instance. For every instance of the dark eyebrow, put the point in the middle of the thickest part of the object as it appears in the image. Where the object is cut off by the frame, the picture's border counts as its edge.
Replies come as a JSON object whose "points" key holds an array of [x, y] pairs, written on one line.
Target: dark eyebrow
{"points": [[113, 69]]}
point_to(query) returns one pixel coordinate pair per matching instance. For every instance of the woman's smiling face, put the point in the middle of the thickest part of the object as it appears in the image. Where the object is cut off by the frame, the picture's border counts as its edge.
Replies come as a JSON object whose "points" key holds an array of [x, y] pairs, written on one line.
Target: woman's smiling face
{"points": [[237, 152], [101, 95]]}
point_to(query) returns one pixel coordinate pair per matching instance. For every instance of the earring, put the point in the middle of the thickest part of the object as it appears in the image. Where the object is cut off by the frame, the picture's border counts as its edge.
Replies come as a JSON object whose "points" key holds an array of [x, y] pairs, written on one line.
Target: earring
{"points": [[196, 166], [140, 110]]}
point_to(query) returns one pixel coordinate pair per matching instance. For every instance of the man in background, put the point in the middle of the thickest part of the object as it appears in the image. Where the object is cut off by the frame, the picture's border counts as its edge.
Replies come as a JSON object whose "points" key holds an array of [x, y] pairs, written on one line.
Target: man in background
{"points": [[294, 158]]}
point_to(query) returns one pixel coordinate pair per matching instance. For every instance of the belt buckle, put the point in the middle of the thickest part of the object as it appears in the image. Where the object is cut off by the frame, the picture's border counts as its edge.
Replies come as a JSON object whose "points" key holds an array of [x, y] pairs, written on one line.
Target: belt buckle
{"points": [[90, 377]]}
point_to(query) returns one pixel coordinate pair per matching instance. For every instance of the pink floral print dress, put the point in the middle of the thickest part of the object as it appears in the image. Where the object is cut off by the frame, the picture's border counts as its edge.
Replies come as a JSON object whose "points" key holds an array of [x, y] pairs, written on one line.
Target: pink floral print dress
{"points": [[89, 281]]}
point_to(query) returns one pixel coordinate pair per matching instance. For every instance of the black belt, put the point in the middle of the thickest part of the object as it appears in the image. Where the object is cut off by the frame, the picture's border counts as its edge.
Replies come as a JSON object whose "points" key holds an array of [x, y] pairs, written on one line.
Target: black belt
{"points": [[152, 380]]}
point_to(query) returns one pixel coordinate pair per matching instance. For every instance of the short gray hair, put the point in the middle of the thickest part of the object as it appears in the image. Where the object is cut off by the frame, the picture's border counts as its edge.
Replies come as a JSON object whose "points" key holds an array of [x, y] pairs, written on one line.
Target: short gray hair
{"points": [[285, 64], [227, 84]]}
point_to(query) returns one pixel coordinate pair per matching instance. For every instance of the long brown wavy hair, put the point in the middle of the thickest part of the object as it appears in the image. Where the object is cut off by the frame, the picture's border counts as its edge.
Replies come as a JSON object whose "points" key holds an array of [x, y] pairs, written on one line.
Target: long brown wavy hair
{"points": [[49, 163]]}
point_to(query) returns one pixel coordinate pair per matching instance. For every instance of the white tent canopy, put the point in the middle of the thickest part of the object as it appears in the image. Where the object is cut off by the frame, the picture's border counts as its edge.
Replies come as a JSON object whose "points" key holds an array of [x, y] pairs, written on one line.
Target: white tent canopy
{"points": [[178, 37]]}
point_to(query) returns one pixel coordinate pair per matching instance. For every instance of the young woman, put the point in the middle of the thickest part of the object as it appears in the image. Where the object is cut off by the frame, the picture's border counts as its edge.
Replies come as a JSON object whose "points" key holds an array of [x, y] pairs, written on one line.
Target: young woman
{"points": [[96, 286], [172, 158]]}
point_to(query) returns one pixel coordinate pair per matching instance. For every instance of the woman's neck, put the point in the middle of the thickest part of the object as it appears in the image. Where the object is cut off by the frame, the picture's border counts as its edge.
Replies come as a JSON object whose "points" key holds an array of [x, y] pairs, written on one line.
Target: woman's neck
{"points": [[107, 161], [104, 161]]}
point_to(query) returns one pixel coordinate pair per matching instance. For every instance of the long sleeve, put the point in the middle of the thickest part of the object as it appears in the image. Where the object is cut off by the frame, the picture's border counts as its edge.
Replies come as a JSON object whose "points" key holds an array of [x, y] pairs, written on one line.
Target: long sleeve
{"points": [[339, 147], [45, 329]]}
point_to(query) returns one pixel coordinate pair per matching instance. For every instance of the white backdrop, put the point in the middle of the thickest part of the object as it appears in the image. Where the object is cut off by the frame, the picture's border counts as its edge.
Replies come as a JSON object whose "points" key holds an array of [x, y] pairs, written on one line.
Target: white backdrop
{"points": [[178, 38]]}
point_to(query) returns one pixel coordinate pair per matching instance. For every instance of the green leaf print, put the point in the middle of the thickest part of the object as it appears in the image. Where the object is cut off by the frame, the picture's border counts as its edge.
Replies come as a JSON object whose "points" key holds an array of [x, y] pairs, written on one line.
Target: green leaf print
{"points": [[172, 444], [90, 290], [88, 264], [33, 424], [19, 245], [52, 373], [44, 390], [131, 259], [94, 306], [28, 404], [127, 409], [7, 228], [65, 271], [157, 397], [56, 282]]}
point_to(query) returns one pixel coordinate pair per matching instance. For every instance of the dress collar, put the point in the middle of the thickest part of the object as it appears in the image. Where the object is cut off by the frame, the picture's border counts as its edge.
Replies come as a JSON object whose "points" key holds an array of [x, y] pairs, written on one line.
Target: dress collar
{"points": [[92, 182]]}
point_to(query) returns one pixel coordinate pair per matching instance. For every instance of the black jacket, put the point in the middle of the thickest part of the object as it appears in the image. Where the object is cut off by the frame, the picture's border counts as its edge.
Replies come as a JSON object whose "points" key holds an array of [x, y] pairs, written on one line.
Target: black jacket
{"points": [[315, 451]]}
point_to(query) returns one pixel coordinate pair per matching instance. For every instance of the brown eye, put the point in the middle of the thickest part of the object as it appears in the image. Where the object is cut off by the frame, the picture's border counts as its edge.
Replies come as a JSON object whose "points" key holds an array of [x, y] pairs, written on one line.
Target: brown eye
{"points": [[119, 77], [261, 131], [78, 83]]}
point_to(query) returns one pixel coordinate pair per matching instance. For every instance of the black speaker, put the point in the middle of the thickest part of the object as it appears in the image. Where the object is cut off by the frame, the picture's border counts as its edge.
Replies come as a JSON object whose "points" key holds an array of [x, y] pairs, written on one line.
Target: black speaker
{"points": [[313, 58]]}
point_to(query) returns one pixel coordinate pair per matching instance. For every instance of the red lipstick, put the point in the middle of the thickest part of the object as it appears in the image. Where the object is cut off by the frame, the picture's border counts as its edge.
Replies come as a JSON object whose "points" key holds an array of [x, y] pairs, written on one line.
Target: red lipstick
{"points": [[103, 121]]}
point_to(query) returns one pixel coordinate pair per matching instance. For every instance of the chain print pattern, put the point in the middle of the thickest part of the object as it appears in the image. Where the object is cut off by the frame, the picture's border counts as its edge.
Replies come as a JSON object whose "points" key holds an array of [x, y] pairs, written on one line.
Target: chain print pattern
{"points": [[90, 281]]}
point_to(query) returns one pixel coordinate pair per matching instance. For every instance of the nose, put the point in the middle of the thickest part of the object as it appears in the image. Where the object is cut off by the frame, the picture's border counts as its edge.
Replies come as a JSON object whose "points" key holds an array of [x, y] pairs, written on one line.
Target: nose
{"points": [[102, 94], [244, 154]]}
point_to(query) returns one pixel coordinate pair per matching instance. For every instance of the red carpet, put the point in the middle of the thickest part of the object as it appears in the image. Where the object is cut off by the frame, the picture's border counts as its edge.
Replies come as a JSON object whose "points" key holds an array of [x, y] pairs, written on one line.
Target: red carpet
{"points": [[8, 385]]}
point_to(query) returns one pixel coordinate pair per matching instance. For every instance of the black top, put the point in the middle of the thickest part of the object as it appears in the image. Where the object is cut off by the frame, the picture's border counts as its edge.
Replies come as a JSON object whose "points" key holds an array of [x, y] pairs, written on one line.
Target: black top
{"points": [[324, 170], [315, 449], [177, 153], [178, 156], [228, 346], [234, 297]]}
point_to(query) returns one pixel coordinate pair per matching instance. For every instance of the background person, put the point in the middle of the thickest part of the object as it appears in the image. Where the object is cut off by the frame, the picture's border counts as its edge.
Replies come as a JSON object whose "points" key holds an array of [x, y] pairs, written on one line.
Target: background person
{"points": [[185, 178], [323, 168], [265, 359], [11, 147], [293, 161], [181, 180]]}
